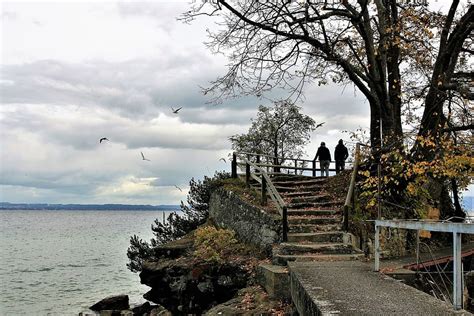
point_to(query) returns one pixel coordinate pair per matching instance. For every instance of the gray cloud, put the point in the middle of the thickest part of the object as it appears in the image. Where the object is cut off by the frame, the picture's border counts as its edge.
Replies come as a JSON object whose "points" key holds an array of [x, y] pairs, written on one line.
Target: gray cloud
{"points": [[135, 89], [119, 82]]}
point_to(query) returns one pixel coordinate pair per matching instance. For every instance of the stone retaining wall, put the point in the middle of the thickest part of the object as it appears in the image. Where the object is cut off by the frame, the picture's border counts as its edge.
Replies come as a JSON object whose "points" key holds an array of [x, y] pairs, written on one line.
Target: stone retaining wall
{"points": [[251, 224]]}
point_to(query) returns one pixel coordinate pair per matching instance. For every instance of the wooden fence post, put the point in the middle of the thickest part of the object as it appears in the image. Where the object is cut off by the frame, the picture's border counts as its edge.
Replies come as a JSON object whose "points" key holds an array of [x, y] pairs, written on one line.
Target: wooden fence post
{"points": [[296, 166], [285, 224], [234, 166], [314, 168], [247, 174], [350, 192], [345, 224], [264, 191]]}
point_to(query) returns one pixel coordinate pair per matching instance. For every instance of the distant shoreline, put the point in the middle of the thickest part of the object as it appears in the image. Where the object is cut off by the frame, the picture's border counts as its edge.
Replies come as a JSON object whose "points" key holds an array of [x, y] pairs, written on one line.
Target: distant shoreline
{"points": [[85, 207]]}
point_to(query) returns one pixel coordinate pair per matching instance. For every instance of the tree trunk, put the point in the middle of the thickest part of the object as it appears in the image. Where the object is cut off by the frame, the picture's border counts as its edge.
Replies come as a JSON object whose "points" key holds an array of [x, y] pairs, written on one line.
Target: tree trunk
{"points": [[387, 117], [458, 212], [275, 159]]}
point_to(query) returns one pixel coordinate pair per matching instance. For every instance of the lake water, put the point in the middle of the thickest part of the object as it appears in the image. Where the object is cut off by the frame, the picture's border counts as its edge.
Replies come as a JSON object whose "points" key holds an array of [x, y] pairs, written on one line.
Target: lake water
{"points": [[62, 262]]}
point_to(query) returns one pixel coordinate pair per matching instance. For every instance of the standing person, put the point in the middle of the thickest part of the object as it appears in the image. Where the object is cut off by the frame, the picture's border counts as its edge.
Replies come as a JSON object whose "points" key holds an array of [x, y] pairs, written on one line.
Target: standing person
{"points": [[340, 155], [324, 159]]}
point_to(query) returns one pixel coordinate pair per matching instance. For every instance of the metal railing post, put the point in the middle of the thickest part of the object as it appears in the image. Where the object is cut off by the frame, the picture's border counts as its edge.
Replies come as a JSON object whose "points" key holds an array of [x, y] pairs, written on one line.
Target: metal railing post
{"points": [[379, 192], [264, 191], [457, 272], [377, 248], [247, 174], [234, 166], [285, 224]]}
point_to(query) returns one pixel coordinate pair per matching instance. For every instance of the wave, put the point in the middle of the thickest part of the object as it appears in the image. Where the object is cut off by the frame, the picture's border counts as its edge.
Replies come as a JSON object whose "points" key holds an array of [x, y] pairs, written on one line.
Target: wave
{"points": [[45, 269], [71, 265]]}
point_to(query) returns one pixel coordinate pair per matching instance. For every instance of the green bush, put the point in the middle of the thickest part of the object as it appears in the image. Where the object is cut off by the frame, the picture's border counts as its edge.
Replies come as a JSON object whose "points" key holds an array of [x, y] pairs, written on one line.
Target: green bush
{"points": [[193, 214], [212, 244]]}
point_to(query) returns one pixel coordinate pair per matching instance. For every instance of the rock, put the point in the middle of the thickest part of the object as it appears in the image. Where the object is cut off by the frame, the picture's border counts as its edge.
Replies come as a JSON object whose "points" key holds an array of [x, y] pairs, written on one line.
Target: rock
{"points": [[144, 308], [115, 303], [224, 280], [251, 301], [206, 286], [174, 249], [160, 311], [188, 287], [106, 312]]}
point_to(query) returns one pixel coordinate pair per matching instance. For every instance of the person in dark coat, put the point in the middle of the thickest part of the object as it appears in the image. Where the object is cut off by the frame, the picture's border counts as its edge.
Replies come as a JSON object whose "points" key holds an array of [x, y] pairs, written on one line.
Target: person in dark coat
{"points": [[324, 159], [340, 155]]}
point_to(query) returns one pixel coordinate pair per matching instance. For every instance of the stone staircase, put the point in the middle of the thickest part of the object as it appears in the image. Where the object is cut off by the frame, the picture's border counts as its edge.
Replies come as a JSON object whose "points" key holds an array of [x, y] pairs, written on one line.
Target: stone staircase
{"points": [[315, 223]]}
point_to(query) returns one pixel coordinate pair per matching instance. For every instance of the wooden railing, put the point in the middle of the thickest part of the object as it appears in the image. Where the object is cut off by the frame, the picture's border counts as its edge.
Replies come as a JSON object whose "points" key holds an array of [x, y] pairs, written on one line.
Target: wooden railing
{"points": [[262, 174], [266, 188], [277, 164], [350, 192]]}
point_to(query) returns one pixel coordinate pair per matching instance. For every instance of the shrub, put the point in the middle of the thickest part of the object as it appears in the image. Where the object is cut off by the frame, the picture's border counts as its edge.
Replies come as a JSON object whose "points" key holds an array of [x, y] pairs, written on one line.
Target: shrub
{"points": [[212, 244], [193, 214]]}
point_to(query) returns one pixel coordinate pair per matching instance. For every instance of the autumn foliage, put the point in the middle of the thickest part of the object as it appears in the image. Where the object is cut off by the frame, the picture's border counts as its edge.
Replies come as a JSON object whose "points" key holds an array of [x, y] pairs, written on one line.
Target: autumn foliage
{"points": [[410, 181]]}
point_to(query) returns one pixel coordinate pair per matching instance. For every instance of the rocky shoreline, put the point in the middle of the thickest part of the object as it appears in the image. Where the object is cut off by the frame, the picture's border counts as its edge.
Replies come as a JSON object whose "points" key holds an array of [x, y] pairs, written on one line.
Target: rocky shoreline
{"points": [[181, 284], [184, 283]]}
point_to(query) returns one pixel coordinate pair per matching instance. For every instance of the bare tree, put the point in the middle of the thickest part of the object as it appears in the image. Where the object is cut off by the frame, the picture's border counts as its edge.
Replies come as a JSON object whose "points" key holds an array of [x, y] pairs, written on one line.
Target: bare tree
{"points": [[392, 52]]}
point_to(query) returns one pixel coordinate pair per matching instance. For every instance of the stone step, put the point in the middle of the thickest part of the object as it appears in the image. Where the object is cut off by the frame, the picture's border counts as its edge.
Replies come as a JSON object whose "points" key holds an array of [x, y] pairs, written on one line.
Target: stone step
{"points": [[325, 237], [302, 183], [306, 220], [286, 189], [294, 248], [297, 194], [275, 280], [291, 177], [314, 212], [311, 228], [327, 204], [312, 198], [283, 259], [313, 188]]}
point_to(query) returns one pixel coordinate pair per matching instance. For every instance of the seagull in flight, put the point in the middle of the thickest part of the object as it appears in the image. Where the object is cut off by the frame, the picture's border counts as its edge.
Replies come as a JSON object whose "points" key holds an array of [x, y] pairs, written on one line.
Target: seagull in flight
{"points": [[177, 110], [102, 139], [223, 159], [178, 188], [143, 157]]}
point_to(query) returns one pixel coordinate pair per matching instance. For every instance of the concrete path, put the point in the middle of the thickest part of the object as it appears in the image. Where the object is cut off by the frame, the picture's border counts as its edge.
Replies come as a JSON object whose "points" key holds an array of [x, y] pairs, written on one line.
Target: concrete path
{"points": [[352, 288]]}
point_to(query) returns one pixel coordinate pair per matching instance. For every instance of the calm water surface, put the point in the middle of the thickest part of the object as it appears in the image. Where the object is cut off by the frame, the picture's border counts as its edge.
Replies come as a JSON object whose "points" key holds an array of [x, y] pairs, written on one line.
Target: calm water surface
{"points": [[62, 262]]}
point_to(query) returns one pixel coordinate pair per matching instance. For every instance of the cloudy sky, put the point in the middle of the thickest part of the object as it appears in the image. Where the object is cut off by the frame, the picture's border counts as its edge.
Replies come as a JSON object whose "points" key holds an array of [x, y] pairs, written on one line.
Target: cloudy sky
{"points": [[73, 72]]}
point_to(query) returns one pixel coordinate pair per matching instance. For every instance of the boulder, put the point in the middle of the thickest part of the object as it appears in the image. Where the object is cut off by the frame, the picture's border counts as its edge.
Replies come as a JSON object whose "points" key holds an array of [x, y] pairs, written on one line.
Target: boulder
{"points": [[160, 311], [115, 313], [189, 287], [118, 302], [143, 309]]}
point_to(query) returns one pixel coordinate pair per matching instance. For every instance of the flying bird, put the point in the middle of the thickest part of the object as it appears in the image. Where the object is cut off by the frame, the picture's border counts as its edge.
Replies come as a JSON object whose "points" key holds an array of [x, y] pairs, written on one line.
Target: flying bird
{"points": [[143, 157], [223, 159], [178, 188], [177, 110], [102, 139]]}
